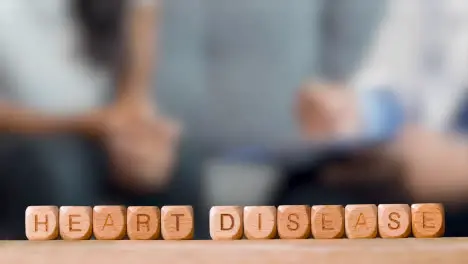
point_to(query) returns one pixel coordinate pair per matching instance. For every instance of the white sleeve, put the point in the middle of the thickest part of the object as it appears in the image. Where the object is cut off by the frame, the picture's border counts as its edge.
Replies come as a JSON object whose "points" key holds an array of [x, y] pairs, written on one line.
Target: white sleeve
{"points": [[144, 3], [391, 60], [6, 14], [3, 78], [4, 86]]}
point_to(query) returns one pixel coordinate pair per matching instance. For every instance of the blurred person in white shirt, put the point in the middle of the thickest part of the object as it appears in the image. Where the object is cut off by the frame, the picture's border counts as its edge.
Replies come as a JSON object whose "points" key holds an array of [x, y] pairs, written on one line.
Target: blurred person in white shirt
{"points": [[410, 92], [62, 62], [79, 69]]}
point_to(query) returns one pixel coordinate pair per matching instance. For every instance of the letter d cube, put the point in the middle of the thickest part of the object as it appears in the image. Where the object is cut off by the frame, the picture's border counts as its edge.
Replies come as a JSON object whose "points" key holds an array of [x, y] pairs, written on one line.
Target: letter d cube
{"points": [[226, 222]]}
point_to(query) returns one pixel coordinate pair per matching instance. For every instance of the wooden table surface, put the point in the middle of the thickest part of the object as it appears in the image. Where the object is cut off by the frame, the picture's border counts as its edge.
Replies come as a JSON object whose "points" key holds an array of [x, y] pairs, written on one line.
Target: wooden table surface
{"points": [[400, 251]]}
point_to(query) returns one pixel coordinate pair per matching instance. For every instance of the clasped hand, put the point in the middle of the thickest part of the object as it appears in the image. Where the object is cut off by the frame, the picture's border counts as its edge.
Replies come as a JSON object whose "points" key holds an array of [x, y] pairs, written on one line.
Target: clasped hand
{"points": [[141, 145]]}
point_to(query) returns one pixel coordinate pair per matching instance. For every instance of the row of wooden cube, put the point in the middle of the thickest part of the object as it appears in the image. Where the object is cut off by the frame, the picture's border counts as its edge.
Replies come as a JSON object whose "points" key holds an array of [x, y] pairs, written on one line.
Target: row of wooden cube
{"points": [[236, 222]]}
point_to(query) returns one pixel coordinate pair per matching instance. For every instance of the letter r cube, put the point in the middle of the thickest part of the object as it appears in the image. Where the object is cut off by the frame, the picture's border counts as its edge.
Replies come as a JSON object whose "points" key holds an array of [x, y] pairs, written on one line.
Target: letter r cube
{"points": [[143, 222]]}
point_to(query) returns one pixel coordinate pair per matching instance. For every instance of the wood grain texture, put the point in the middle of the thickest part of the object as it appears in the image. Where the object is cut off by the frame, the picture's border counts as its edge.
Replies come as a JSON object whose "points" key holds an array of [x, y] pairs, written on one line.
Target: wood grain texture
{"points": [[335, 251], [293, 221], [143, 222], [177, 222], [428, 220], [76, 222], [327, 221], [109, 222], [260, 222], [394, 220], [361, 221], [226, 222], [41, 222]]}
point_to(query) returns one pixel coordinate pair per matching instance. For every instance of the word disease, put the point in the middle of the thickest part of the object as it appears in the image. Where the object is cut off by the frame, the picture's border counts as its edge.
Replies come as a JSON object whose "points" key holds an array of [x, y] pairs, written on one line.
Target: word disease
{"points": [[236, 222]]}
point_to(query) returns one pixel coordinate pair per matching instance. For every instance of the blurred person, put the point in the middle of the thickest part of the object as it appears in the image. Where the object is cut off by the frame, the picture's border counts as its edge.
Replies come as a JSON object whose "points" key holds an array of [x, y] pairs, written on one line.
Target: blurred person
{"points": [[409, 95], [61, 63], [229, 71]]}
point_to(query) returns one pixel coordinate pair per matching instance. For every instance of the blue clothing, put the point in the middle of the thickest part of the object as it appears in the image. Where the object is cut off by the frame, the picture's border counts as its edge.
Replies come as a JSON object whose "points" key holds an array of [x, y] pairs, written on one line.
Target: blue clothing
{"points": [[383, 115], [382, 112], [461, 119]]}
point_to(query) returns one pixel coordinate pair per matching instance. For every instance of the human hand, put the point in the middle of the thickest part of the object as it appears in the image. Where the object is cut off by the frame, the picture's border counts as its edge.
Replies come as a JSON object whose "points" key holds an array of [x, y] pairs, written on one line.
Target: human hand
{"points": [[435, 165], [141, 144], [327, 111]]}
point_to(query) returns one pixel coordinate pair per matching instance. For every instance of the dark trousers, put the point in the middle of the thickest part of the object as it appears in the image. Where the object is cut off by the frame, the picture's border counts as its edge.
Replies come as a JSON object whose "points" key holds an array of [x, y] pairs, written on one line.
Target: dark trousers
{"points": [[303, 185], [69, 170]]}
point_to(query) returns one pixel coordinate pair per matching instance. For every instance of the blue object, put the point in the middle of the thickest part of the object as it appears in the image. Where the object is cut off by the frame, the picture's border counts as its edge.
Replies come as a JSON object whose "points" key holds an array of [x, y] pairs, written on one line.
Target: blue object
{"points": [[383, 114], [461, 119]]}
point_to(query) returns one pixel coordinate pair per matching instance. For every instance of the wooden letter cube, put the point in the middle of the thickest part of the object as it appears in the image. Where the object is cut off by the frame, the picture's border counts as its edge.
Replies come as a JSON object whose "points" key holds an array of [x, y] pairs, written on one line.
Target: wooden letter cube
{"points": [[260, 222], [177, 222], [109, 222], [226, 222], [361, 221], [394, 220], [143, 222], [76, 222], [41, 222], [327, 221], [293, 221], [428, 220]]}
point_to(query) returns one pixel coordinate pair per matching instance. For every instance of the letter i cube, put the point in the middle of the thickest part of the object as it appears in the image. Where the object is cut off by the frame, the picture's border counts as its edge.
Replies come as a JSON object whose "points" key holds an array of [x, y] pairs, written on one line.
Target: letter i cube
{"points": [[260, 222]]}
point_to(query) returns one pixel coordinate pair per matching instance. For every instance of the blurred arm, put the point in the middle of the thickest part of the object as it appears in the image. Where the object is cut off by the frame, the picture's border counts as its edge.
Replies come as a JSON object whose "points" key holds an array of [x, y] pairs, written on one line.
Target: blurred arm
{"points": [[14, 119], [374, 101], [434, 163], [19, 119], [141, 30], [135, 81]]}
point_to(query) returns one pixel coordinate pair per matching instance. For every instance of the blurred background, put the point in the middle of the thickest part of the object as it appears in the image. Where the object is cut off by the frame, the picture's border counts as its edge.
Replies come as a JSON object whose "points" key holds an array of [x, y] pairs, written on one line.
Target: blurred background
{"points": [[90, 92]]}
